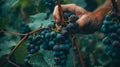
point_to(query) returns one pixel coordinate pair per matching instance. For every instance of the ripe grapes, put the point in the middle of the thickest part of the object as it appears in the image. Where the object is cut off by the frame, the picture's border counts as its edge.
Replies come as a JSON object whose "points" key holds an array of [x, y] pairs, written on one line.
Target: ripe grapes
{"points": [[49, 38], [50, 4], [111, 29]]}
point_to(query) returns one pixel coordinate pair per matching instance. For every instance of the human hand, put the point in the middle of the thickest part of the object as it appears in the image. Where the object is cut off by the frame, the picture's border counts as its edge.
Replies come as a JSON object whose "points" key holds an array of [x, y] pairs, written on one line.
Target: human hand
{"points": [[86, 19]]}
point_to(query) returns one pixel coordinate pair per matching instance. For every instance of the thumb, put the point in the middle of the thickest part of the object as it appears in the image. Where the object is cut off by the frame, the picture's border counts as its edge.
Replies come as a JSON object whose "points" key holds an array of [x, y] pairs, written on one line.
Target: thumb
{"points": [[82, 20]]}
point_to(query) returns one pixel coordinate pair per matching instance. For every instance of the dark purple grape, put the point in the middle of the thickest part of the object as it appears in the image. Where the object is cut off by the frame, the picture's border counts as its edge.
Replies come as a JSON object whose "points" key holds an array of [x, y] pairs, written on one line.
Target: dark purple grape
{"points": [[33, 41], [24, 28], [113, 14], [58, 53], [31, 46], [43, 32], [108, 17], [73, 18], [38, 43], [52, 25], [57, 59], [116, 44], [62, 47], [109, 53], [28, 56], [103, 29], [56, 48], [50, 4], [47, 35], [26, 61], [32, 51], [59, 36], [113, 35], [30, 37], [70, 26], [66, 16], [53, 34], [64, 32], [37, 48], [107, 48], [106, 40], [51, 44]]}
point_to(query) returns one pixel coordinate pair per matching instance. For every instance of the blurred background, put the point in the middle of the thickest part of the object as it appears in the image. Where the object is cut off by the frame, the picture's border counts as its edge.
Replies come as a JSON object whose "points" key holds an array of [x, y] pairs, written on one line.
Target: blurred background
{"points": [[32, 12]]}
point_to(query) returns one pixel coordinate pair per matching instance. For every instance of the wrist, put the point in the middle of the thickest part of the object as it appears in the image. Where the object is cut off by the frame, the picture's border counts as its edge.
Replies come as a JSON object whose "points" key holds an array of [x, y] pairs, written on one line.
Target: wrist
{"points": [[103, 10]]}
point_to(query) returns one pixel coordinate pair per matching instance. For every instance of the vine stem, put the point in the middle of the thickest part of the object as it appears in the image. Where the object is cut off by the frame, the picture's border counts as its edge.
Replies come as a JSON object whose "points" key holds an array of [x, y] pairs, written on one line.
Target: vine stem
{"points": [[11, 53], [14, 33], [19, 43], [115, 6], [60, 12], [73, 56], [79, 52], [23, 34]]}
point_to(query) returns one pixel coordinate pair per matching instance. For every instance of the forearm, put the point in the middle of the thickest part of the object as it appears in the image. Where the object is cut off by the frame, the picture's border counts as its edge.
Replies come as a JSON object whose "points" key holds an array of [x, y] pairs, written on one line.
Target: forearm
{"points": [[102, 10], [92, 21]]}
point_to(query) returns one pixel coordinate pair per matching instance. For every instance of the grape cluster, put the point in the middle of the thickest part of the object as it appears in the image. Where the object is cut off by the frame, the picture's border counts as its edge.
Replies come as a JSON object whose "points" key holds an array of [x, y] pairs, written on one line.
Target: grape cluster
{"points": [[33, 46], [111, 28], [59, 42], [60, 52], [50, 4], [70, 16], [24, 28]]}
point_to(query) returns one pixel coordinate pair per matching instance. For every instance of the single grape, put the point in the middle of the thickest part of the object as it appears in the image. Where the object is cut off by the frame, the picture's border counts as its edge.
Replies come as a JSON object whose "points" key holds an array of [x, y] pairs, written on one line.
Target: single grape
{"points": [[32, 51], [56, 48], [116, 43], [53, 34], [73, 18], [106, 40], [59, 36], [64, 32], [51, 44], [47, 35], [113, 36], [28, 56], [57, 59]]}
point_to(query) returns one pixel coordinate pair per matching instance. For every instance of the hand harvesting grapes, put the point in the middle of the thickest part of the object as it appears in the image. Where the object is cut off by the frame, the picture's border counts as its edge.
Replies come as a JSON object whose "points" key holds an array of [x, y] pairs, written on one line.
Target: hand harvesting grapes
{"points": [[89, 22]]}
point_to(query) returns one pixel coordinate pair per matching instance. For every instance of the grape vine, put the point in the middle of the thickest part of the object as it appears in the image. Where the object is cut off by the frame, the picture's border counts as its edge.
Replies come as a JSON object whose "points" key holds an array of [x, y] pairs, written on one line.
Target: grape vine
{"points": [[58, 41]]}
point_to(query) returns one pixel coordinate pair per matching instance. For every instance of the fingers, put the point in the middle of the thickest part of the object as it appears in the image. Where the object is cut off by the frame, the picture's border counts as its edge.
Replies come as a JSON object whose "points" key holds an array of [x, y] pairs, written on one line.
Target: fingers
{"points": [[79, 11], [82, 20], [68, 7], [88, 23], [56, 14]]}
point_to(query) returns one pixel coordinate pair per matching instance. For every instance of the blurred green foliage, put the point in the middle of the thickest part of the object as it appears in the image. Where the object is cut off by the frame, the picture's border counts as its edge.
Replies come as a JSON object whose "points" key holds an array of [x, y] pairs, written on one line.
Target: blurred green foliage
{"points": [[3, 23], [20, 53], [30, 7]]}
